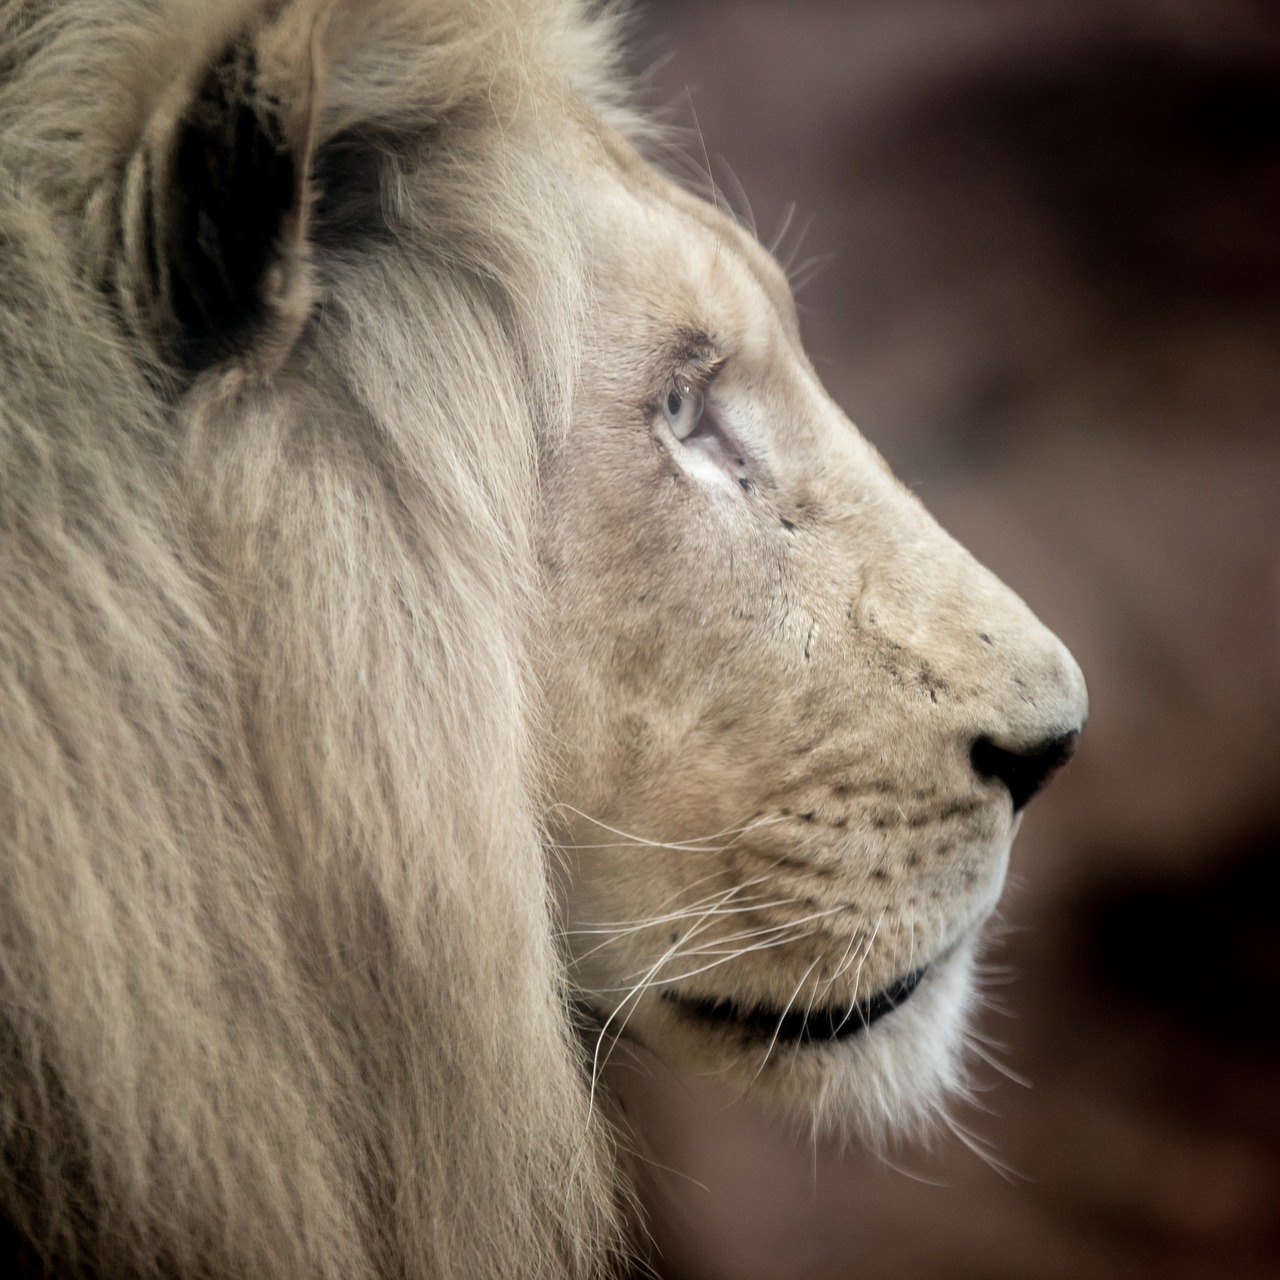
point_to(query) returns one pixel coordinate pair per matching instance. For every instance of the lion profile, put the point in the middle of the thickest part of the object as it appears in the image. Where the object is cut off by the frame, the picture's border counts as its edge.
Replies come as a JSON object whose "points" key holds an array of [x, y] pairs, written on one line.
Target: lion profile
{"points": [[372, 426]]}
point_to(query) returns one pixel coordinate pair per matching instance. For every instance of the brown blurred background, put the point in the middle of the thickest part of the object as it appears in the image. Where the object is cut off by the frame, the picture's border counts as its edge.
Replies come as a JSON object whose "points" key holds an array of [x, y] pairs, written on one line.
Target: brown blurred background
{"points": [[1043, 247]]}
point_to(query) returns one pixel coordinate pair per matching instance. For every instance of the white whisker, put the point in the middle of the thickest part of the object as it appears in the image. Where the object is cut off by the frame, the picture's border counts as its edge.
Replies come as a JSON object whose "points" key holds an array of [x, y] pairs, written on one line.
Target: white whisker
{"points": [[717, 945], [743, 199], [981, 1149], [786, 1009], [857, 977], [780, 235], [725, 959], [632, 996], [975, 1048], [702, 845], [711, 906]]}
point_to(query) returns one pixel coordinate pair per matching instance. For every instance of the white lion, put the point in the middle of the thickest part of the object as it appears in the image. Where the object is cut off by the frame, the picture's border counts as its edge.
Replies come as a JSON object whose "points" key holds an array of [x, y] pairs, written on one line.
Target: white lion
{"points": [[401, 477]]}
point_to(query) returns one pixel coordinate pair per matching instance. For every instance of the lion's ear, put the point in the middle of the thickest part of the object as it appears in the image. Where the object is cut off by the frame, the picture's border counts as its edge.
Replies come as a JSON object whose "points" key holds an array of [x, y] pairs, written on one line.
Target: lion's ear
{"points": [[224, 255]]}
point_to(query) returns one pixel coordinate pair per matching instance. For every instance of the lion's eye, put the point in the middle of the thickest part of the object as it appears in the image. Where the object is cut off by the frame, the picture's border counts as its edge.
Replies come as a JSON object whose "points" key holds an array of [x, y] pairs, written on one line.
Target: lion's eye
{"points": [[683, 408]]}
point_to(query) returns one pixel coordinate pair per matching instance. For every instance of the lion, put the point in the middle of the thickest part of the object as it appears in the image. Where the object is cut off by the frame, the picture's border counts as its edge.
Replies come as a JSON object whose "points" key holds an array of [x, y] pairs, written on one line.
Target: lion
{"points": [[446, 627]]}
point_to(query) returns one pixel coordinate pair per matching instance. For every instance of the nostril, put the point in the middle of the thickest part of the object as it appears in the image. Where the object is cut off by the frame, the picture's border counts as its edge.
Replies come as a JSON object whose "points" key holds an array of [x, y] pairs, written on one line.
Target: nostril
{"points": [[1023, 772]]}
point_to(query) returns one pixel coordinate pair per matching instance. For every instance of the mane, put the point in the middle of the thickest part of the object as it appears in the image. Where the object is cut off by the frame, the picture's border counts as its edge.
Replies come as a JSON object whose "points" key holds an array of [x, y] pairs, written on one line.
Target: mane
{"points": [[280, 994]]}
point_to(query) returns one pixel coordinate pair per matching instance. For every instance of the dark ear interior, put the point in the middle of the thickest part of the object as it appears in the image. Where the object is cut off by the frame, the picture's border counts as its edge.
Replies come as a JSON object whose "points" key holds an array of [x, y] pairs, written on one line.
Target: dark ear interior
{"points": [[235, 187], [225, 219]]}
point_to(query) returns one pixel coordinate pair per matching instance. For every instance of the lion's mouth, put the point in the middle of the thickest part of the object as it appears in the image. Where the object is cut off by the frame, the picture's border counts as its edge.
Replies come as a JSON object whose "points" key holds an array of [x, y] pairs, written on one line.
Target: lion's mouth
{"points": [[797, 1026]]}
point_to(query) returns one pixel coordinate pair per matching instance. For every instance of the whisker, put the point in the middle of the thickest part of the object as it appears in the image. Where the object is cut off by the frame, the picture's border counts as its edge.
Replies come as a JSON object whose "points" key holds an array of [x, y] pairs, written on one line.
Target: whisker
{"points": [[1001, 975], [596, 1064], [798, 277], [787, 929], [786, 1009], [847, 957], [981, 1149], [990, 1041], [724, 959], [649, 922], [857, 977], [702, 845], [706, 158], [711, 901], [788, 263], [743, 199], [725, 946], [971, 1043], [883, 1157], [714, 874], [787, 924], [633, 995], [993, 1002], [713, 913], [780, 235], [681, 949]]}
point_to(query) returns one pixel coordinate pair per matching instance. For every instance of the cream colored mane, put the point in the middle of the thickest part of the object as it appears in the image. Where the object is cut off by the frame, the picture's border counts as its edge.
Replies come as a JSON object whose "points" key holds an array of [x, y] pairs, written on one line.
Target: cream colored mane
{"points": [[279, 992]]}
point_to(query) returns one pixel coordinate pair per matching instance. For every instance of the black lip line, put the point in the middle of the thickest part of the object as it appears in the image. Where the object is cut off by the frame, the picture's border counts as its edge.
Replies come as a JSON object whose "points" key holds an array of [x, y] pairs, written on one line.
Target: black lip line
{"points": [[815, 1026]]}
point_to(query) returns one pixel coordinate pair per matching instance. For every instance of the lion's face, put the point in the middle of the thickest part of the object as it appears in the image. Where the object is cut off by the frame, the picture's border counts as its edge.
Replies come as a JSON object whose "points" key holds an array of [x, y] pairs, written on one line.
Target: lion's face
{"points": [[797, 720]]}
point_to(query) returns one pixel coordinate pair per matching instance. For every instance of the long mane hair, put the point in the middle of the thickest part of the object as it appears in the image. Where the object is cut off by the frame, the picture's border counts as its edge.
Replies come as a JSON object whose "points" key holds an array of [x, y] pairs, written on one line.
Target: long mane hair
{"points": [[289, 300]]}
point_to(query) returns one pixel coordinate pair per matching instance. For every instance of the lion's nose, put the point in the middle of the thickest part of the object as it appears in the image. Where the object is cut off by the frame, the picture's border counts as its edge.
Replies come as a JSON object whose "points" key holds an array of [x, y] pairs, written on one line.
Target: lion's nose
{"points": [[1023, 772]]}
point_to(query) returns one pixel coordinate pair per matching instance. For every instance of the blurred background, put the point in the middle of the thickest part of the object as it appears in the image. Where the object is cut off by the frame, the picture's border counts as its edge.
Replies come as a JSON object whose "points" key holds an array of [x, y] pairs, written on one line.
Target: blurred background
{"points": [[1039, 247]]}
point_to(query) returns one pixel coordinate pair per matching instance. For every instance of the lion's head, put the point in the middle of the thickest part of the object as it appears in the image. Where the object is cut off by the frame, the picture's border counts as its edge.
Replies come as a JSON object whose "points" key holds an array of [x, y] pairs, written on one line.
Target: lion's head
{"points": [[799, 722], [433, 578]]}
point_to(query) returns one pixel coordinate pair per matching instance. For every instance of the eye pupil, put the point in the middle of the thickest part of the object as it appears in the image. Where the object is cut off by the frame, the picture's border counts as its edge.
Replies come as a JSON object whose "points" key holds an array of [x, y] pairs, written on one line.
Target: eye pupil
{"points": [[674, 402]]}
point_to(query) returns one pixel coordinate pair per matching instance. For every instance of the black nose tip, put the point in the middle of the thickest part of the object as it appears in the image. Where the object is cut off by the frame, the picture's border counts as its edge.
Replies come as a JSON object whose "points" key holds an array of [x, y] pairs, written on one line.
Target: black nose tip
{"points": [[1023, 772]]}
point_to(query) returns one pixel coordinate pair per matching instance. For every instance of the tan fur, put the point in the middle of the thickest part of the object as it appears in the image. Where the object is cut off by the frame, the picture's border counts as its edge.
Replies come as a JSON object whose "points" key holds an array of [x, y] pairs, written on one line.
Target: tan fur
{"points": [[306, 643], [280, 994], [770, 667]]}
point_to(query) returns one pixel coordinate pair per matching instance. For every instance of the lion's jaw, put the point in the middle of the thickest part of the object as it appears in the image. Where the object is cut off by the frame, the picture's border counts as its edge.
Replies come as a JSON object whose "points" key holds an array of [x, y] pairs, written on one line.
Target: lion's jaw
{"points": [[768, 672]]}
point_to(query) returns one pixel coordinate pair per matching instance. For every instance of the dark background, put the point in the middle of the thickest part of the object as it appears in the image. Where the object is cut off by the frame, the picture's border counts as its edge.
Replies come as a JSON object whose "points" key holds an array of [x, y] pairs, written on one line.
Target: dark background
{"points": [[1042, 249]]}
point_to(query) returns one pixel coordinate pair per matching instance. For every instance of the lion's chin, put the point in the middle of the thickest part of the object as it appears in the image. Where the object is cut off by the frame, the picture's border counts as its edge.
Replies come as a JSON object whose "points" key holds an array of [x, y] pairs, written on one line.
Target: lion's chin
{"points": [[879, 1070]]}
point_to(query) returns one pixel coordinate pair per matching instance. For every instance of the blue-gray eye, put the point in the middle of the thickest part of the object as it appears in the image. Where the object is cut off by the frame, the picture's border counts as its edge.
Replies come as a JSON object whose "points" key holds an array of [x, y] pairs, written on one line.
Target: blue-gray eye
{"points": [[683, 408]]}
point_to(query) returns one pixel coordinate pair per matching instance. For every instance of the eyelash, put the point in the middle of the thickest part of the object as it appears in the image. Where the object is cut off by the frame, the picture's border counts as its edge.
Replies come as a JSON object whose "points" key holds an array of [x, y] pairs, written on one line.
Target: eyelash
{"points": [[695, 373]]}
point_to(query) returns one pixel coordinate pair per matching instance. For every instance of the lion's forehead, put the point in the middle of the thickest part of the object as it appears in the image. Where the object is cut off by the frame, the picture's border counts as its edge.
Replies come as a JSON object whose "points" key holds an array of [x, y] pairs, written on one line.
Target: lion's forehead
{"points": [[655, 241]]}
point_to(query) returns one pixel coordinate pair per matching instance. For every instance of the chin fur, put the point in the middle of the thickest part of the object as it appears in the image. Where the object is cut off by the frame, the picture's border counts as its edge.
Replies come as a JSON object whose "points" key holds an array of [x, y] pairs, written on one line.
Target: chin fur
{"points": [[888, 1081]]}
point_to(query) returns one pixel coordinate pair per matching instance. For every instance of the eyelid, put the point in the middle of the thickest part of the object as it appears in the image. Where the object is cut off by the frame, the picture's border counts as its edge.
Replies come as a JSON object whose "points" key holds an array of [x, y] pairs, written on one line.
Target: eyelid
{"points": [[697, 373], [703, 373]]}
